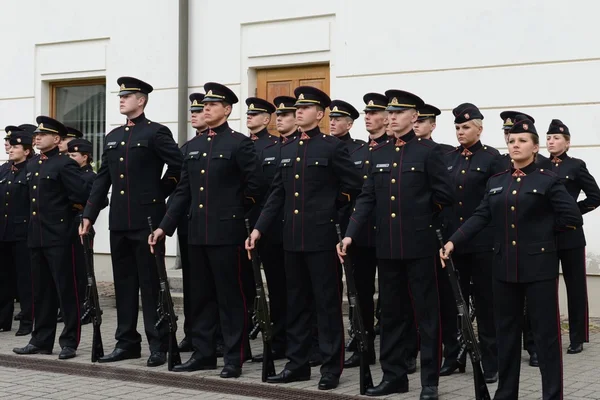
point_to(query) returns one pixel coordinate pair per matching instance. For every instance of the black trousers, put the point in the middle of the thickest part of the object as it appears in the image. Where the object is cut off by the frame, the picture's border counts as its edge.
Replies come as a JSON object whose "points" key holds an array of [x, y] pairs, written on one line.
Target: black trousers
{"points": [[397, 280], [448, 313], [365, 265], [79, 259], [185, 276], [135, 271], [54, 284], [273, 261], [218, 293], [477, 267], [574, 274], [314, 275], [542, 302], [8, 288]]}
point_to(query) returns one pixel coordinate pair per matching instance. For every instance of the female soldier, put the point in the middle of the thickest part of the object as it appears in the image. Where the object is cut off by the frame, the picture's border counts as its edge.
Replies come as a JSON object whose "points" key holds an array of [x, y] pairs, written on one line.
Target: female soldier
{"points": [[14, 214], [525, 205], [470, 167], [571, 243]]}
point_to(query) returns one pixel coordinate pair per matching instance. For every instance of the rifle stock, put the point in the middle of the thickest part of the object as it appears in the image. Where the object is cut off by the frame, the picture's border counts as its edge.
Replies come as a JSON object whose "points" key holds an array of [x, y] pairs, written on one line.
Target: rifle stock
{"points": [[262, 318], [467, 334], [165, 310], [92, 301], [362, 343]]}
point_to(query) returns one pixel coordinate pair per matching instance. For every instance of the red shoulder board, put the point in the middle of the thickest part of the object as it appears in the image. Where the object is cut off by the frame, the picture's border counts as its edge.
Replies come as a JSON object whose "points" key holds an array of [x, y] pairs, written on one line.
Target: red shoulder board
{"points": [[381, 145]]}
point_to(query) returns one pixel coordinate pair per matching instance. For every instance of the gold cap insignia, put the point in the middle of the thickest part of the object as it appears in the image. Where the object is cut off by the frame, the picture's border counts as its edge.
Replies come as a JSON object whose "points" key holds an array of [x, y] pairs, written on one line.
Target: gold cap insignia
{"points": [[8, 133], [467, 116], [195, 103], [210, 93], [252, 106], [561, 129], [282, 105], [508, 121], [526, 127], [18, 140], [76, 148], [394, 100], [371, 103], [122, 86], [335, 109], [41, 126], [301, 97]]}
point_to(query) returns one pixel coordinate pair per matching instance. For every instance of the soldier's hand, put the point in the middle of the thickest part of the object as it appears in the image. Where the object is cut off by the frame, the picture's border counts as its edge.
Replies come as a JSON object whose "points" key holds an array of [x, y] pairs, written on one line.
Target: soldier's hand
{"points": [[154, 238], [251, 241], [84, 228], [342, 248], [445, 252]]}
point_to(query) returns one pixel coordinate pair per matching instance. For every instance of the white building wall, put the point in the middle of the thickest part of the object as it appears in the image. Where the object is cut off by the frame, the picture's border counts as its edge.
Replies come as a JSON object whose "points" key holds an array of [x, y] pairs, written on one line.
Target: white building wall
{"points": [[537, 56]]}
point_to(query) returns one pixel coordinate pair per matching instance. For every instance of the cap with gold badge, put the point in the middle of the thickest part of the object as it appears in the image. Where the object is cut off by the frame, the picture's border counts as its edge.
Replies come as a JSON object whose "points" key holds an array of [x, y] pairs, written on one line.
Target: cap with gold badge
{"points": [[128, 85], [284, 104], [80, 145], [508, 118], [428, 111], [256, 105], [10, 129], [340, 108], [311, 96], [216, 92], [466, 112], [21, 137], [73, 133], [399, 100], [375, 102], [47, 125], [196, 104], [523, 124]]}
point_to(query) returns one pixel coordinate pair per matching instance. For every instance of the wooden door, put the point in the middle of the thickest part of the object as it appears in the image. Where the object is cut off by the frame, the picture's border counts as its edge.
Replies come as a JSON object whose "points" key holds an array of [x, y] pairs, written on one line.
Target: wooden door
{"points": [[275, 82]]}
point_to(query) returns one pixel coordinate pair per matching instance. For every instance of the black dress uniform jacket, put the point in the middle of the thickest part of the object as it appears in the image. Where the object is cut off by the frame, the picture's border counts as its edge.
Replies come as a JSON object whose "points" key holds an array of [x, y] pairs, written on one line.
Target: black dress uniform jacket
{"points": [[220, 182], [470, 170], [526, 212], [14, 203], [574, 174], [132, 162], [55, 183], [503, 162], [410, 185], [314, 175]]}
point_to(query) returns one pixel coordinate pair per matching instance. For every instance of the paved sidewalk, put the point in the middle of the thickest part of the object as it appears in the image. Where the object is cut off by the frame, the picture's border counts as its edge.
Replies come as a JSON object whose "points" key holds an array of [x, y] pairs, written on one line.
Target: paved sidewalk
{"points": [[580, 375]]}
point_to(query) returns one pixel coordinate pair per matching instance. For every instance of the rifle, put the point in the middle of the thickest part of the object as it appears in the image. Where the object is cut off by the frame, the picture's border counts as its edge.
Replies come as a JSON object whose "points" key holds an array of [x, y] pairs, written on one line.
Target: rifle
{"points": [[467, 337], [165, 309], [360, 334], [91, 304], [261, 317]]}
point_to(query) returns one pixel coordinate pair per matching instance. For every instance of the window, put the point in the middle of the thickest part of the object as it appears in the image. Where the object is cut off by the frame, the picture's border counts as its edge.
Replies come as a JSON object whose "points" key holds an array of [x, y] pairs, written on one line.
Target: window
{"points": [[81, 105]]}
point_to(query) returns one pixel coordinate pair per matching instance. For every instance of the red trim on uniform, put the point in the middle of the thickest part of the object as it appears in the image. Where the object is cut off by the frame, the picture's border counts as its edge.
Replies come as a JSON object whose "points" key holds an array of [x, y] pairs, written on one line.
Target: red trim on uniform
{"points": [[76, 293], [506, 229], [167, 214], [517, 231], [245, 331], [206, 195], [127, 177], [437, 286], [303, 175], [90, 203], [352, 218], [559, 339], [339, 292], [400, 165], [586, 333]]}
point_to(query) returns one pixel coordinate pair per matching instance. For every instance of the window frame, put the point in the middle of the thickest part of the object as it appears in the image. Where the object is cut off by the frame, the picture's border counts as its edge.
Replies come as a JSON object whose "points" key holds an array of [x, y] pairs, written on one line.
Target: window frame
{"points": [[54, 85]]}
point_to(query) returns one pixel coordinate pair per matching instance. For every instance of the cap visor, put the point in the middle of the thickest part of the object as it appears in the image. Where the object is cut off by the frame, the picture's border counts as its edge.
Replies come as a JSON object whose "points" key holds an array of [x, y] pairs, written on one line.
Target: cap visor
{"points": [[396, 108], [196, 109], [212, 100], [126, 92]]}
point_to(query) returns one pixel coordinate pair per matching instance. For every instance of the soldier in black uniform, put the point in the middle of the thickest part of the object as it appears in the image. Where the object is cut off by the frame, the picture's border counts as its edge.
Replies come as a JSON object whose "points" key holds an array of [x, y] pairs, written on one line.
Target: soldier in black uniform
{"points": [[197, 121], [220, 182], [132, 162], [55, 183], [525, 205], [574, 174], [470, 167], [407, 185], [314, 179], [363, 255], [14, 215], [81, 151], [271, 247], [285, 122]]}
